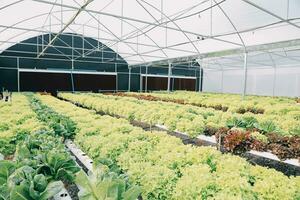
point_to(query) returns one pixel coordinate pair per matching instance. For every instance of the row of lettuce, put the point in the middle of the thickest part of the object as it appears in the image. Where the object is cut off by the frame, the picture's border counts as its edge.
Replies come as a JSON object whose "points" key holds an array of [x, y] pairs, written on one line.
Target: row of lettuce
{"points": [[233, 103], [163, 167], [282, 113], [34, 162], [33, 159], [236, 132]]}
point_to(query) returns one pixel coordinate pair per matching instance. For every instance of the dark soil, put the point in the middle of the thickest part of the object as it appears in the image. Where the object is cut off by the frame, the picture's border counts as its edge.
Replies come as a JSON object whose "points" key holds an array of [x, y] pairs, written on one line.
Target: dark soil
{"points": [[72, 190]]}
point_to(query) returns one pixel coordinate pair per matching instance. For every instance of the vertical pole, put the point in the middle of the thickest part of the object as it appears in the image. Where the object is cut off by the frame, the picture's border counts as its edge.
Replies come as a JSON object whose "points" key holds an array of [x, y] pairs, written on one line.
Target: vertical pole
{"points": [[274, 81], [297, 86], [18, 65], [50, 33], [129, 79], [195, 73], [72, 78], [116, 70], [141, 80], [98, 32], [43, 40], [222, 80], [37, 45], [146, 79], [83, 41], [169, 77], [200, 77], [245, 75]]}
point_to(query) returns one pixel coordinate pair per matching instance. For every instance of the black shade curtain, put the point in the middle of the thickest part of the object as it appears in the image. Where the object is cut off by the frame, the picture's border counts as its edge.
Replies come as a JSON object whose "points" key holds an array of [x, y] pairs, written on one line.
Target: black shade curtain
{"points": [[161, 83], [53, 82], [91, 82]]}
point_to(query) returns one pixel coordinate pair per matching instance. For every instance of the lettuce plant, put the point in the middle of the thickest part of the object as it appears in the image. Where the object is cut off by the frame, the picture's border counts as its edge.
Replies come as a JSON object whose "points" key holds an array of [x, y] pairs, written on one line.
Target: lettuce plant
{"points": [[106, 185], [25, 183], [57, 165]]}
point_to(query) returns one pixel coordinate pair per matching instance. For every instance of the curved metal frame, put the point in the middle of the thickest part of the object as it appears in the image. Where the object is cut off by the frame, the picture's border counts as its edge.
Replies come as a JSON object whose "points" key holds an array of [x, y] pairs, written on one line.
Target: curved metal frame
{"points": [[148, 25]]}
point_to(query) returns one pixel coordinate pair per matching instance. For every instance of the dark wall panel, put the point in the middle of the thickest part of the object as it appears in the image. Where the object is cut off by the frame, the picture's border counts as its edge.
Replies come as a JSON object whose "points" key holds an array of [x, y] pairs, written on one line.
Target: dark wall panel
{"points": [[8, 62], [8, 79], [155, 83], [184, 84], [50, 82], [95, 82], [122, 81]]}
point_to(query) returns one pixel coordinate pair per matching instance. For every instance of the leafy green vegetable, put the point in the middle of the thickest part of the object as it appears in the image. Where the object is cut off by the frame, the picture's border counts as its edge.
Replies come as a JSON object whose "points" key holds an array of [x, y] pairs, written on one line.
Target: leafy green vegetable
{"points": [[6, 169], [103, 184], [57, 166]]}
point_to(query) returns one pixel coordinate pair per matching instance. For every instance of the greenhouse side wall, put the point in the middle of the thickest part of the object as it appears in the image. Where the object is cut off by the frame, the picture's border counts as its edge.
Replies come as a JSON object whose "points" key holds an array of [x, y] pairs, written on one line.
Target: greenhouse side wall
{"points": [[286, 82]]}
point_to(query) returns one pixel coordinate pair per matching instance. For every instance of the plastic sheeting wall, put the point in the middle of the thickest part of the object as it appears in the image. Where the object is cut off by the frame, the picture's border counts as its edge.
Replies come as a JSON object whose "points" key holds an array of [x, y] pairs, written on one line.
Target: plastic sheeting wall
{"points": [[259, 81]]}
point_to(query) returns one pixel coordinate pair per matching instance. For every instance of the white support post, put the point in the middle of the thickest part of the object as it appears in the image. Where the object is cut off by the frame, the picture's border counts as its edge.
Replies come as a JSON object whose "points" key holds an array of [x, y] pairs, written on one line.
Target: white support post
{"points": [[37, 45], [146, 79], [72, 79], [82, 40], [50, 30], [274, 80], [116, 70], [18, 66], [245, 75], [195, 73], [129, 79], [141, 81], [169, 77], [297, 86], [222, 80], [200, 78]]}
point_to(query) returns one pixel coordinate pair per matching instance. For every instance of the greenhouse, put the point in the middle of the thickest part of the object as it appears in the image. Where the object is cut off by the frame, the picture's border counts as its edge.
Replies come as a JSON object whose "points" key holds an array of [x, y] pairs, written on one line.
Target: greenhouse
{"points": [[149, 99]]}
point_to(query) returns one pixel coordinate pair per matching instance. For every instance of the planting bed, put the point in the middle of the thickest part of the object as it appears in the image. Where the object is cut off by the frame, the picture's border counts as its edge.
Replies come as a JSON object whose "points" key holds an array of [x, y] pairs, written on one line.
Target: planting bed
{"points": [[132, 154], [288, 167], [146, 154], [236, 134], [29, 169]]}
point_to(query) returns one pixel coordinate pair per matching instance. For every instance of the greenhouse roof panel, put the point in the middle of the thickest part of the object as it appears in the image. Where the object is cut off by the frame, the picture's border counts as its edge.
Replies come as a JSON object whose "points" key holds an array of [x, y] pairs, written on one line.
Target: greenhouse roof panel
{"points": [[152, 30]]}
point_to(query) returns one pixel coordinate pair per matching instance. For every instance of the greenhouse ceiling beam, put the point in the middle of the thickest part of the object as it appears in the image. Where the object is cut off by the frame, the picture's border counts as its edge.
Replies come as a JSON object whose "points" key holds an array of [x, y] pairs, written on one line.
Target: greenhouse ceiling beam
{"points": [[238, 60], [106, 39], [79, 10], [270, 13], [16, 2], [110, 31], [137, 30], [216, 54], [66, 71], [69, 55], [178, 27], [140, 21], [78, 48]]}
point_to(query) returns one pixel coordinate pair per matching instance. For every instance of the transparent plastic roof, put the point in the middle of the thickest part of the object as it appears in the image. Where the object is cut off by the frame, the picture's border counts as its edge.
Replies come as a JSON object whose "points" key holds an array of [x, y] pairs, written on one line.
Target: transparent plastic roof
{"points": [[150, 30]]}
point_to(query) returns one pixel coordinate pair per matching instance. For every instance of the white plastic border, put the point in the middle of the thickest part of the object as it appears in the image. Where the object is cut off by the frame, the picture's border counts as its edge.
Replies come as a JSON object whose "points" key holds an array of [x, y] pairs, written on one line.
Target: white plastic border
{"points": [[212, 139], [80, 155], [62, 195]]}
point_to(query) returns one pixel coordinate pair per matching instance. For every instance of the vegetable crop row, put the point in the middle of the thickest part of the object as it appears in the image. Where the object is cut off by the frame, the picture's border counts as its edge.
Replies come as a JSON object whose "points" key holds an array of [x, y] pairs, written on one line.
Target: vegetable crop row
{"points": [[40, 161], [233, 103], [237, 133], [285, 117], [167, 169], [16, 121], [102, 183]]}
